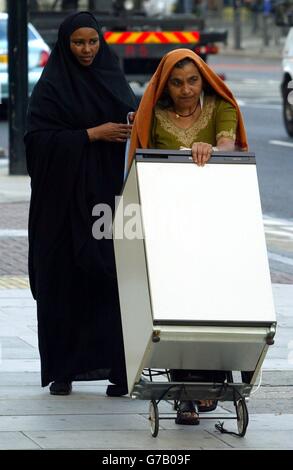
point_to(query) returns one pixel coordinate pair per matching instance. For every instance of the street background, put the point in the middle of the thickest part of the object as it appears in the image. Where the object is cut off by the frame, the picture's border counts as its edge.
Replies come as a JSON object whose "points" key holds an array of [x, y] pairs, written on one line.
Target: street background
{"points": [[32, 419]]}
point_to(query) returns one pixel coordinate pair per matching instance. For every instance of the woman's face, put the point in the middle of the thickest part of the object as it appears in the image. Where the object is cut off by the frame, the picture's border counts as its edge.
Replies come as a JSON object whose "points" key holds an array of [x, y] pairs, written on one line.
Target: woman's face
{"points": [[84, 45], [185, 85]]}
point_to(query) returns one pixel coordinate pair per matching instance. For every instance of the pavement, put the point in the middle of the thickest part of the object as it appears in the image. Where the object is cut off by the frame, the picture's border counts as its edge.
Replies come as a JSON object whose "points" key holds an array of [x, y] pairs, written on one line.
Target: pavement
{"points": [[251, 42], [30, 418]]}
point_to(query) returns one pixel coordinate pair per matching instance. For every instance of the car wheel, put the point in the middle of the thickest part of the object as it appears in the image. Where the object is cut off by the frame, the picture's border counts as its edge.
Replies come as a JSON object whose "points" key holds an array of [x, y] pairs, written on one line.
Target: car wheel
{"points": [[288, 113]]}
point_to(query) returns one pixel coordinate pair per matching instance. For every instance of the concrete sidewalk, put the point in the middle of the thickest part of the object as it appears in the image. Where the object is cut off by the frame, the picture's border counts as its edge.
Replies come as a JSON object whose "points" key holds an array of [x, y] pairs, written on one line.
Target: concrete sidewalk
{"points": [[32, 419], [252, 43], [13, 188]]}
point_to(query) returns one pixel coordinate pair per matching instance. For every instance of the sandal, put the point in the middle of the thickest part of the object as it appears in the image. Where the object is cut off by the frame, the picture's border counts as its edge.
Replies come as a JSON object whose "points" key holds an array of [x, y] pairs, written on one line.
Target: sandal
{"points": [[187, 413], [203, 408]]}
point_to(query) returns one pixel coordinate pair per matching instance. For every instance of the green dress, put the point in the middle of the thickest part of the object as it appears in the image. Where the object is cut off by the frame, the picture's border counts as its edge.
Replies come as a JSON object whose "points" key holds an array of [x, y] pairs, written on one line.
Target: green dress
{"points": [[218, 118]]}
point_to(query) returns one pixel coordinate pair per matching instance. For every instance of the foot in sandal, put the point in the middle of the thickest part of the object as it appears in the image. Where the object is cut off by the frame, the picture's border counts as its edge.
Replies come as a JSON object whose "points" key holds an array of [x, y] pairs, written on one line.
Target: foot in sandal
{"points": [[187, 413]]}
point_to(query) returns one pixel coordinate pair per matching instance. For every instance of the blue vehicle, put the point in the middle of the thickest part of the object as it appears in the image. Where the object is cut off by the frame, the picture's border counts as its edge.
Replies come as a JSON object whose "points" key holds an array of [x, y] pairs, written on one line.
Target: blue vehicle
{"points": [[38, 54]]}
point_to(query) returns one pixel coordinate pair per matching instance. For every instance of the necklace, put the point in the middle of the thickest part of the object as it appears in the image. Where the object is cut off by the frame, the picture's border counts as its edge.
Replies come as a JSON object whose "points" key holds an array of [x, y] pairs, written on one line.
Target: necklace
{"points": [[177, 115]]}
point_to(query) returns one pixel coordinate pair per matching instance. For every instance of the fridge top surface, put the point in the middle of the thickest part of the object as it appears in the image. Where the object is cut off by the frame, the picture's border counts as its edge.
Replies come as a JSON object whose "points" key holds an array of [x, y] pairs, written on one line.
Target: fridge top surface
{"points": [[184, 156]]}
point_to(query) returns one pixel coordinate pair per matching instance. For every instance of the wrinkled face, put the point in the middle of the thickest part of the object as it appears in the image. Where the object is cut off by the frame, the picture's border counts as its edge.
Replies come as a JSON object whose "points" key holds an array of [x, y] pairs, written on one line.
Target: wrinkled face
{"points": [[184, 85], [84, 45]]}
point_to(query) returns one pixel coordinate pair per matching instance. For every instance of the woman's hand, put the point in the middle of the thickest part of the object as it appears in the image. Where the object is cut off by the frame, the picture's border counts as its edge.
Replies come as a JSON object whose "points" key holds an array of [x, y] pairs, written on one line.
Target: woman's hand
{"points": [[110, 132], [226, 144], [201, 152]]}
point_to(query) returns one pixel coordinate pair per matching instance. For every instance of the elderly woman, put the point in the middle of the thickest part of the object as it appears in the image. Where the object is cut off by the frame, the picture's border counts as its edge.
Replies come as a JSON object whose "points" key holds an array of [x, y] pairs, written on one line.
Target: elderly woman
{"points": [[186, 105], [75, 146]]}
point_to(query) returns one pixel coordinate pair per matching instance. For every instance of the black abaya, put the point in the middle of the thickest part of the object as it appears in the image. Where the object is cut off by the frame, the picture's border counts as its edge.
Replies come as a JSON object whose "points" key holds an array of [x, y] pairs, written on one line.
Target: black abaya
{"points": [[72, 275]]}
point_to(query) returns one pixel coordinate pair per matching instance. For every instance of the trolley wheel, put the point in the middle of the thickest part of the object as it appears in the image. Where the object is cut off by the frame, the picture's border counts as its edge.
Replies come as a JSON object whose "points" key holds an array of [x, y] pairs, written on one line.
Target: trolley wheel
{"points": [[154, 418], [242, 416]]}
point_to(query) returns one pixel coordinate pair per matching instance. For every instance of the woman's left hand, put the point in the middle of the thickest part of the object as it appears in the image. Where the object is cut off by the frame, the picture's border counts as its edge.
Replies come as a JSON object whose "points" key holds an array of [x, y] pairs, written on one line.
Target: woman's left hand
{"points": [[201, 152], [131, 117]]}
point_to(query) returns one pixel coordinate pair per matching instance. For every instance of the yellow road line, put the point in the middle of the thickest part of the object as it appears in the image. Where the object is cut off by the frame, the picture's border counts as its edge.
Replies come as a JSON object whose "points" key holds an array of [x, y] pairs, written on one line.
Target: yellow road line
{"points": [[14, 282]]}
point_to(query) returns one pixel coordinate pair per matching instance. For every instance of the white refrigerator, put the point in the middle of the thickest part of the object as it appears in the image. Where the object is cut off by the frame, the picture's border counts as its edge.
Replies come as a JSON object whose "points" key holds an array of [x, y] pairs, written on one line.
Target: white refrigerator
{"points": [[192, 266]]}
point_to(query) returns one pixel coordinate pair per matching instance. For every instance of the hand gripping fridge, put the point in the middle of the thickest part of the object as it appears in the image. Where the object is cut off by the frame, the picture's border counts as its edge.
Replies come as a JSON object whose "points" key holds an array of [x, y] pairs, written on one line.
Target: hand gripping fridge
{"points": [[193, 276]]}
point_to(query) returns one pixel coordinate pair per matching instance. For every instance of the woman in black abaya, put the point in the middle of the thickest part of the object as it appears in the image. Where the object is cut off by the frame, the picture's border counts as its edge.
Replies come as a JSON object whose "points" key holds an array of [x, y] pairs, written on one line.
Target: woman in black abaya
{"points": [[75, 143]]}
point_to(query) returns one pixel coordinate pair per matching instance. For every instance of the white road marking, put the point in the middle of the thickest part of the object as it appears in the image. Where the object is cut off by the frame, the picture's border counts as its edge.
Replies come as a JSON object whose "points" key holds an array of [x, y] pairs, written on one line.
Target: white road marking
{"points": [[283, 233], [275, 226], [272, 221], [278, 229], [281, 143], [260, 105], [280, 258], [12, 233]]}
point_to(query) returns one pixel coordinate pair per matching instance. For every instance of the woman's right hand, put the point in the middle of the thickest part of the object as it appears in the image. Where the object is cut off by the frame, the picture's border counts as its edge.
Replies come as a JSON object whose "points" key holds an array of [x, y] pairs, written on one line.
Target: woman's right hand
{"points": [[201, 152], [110, 132]]}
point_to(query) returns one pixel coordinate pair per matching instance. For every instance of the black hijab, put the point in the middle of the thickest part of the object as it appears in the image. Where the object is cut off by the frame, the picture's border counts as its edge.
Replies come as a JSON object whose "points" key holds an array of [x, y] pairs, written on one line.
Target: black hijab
{"points": [[69, 175], [71, 96]]}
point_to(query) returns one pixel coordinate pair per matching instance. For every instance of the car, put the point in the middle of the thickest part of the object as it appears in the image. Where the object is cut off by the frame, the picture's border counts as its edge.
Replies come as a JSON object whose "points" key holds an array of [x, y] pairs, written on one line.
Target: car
{"points": [[38, 54], [287, 83]]}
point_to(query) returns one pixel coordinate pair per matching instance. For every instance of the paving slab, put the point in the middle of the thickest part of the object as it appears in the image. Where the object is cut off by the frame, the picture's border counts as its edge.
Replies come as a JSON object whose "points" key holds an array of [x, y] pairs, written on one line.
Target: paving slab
{"points": [[13, 347], [20, 365], [14, 188], [265, 432], [48, 404], [19, 380], [20, 302], [68, 422], [17, 441], [87, 419], [16, 294], [131, 440]]}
